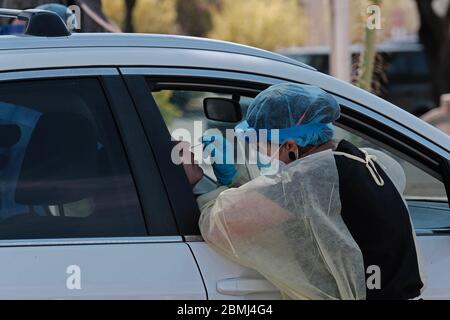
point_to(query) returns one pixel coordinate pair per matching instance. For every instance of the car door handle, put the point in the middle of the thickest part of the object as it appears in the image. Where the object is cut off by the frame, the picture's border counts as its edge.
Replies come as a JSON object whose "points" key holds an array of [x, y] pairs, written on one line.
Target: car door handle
{"points": [[243, 286]]}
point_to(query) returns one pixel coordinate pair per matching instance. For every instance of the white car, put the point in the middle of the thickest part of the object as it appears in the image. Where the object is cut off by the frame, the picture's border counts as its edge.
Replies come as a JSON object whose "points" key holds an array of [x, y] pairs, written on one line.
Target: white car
{"points": [[91, 205]]}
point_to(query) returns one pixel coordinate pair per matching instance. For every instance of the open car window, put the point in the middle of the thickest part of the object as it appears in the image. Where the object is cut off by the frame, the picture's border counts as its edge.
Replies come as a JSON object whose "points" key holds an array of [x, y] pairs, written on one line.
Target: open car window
{"points": [[183, 109], [425, 193]]}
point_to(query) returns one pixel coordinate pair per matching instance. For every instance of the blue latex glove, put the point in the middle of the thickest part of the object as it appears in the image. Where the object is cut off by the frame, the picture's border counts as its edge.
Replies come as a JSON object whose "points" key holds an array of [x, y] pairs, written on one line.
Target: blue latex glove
{"points": [[222, 152]]}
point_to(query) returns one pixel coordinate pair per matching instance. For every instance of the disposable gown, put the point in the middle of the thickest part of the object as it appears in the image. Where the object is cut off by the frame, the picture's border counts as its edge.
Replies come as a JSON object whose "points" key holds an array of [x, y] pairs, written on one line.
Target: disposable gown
{"points": [[288, 227]]}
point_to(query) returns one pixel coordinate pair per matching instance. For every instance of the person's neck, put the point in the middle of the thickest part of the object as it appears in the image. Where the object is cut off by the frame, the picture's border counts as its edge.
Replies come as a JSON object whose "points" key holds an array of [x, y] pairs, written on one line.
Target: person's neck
{"points": [[314, 149]]}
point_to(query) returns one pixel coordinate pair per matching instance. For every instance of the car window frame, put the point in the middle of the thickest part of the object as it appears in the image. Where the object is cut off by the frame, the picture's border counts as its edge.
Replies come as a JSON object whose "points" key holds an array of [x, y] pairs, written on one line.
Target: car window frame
{"points": [[143, 169], [177, 188], [390, 133], [396, 138]]}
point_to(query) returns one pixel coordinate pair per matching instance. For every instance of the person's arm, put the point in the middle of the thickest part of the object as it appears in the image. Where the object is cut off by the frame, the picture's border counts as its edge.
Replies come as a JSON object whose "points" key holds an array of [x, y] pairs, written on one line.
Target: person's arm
{"points": [[238, 214], [208, 199]]}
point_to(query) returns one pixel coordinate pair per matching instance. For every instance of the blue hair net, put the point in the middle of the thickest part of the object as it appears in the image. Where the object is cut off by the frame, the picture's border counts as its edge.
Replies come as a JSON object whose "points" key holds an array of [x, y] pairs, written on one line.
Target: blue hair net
{"points": [[303, 113]]}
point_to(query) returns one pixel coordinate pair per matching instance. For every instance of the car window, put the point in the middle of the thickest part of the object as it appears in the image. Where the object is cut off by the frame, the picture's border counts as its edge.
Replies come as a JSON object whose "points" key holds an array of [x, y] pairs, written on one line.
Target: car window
{"points": [[426, 195], [181, 109], [63, 171]]}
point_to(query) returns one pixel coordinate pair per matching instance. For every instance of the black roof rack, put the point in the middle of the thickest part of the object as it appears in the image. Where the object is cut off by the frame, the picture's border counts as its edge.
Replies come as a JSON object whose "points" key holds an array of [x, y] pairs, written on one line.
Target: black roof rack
{"points": [[40, 23]]}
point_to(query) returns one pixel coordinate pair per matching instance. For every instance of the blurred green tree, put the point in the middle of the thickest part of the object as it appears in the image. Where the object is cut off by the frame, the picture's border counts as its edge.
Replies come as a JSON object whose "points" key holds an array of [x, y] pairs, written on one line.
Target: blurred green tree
{"points": [[367, 59], [115, 10], [169, 111], [266, 24], [155, 16], [194, 16], [147, 16]]}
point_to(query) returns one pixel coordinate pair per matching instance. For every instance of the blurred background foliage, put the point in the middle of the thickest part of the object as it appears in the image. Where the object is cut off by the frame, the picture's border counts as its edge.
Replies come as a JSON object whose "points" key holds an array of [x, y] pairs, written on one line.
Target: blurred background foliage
{"points": [[168, 109], [148, 16], [267, 24], [394, 13], [161, 20]]}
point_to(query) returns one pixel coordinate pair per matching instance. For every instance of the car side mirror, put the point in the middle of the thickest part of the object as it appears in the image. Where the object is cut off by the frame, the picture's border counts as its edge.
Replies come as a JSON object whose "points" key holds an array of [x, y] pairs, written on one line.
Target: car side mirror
{"points": [[222, 109]]}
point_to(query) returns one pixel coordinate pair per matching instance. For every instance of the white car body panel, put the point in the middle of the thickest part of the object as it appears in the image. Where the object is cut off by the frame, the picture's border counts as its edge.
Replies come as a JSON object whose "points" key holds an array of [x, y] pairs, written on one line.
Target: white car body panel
{"points": [[216, 269], [436, 261], [107, 271]]}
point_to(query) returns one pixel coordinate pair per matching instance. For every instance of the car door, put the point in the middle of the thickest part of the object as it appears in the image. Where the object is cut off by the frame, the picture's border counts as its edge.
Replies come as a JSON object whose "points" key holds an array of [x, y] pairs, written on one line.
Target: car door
{"points": [[168, 100], [83, 211], [177, 93]]}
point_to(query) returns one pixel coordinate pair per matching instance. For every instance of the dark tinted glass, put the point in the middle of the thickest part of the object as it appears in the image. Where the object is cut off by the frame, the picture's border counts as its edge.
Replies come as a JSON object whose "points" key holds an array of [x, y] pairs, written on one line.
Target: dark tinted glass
{"points": [[63, 171]]}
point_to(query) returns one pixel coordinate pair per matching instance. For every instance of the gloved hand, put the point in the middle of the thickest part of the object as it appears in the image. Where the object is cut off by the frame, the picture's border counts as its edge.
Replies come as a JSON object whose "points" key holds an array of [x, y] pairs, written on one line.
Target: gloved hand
{"points": [[218, 147]]}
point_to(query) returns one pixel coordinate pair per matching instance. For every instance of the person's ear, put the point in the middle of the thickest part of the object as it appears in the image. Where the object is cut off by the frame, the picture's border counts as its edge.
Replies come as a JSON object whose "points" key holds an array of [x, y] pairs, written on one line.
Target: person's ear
{"points": [[290, 149]]}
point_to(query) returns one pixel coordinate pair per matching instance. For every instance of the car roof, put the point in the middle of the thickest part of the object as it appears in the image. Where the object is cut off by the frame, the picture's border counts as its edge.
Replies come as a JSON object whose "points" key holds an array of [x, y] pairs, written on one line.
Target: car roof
{"points": [[19, 42]]}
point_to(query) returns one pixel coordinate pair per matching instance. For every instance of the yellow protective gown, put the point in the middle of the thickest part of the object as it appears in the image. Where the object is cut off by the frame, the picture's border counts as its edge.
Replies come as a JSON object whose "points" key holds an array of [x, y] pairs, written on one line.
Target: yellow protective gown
{"points": [[288, 227]]}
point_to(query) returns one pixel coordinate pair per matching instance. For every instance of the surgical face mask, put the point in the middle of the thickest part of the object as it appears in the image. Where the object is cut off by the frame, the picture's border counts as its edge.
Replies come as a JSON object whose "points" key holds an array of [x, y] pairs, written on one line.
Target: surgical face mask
{"points": [[257, 162], [265, 165], [270, 165]]}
